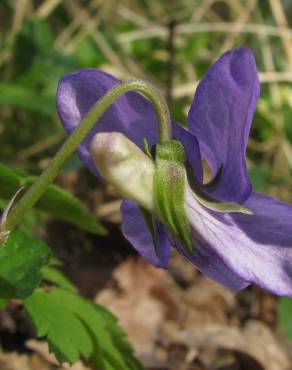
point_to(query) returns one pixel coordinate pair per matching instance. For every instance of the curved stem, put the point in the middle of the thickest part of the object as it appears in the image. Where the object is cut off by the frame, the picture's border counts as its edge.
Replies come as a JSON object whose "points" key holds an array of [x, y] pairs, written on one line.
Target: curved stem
{"points": [[39, 187]]}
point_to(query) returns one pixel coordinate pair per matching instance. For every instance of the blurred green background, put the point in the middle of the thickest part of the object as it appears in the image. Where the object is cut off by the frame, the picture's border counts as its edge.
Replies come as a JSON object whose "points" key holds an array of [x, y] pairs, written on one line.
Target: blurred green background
{"points": [[168, 42], [171, 43]]}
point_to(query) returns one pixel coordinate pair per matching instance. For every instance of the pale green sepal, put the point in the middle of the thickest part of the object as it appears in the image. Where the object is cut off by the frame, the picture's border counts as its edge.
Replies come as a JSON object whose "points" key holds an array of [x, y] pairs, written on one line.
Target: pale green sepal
{"points": [[147, 150], [169, 190], [215, 205]]}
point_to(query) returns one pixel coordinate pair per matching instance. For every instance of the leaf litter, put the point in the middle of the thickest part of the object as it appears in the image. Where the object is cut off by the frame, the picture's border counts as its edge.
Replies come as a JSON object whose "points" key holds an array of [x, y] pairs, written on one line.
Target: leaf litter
{"points": [[180, 320], [184, 321]]}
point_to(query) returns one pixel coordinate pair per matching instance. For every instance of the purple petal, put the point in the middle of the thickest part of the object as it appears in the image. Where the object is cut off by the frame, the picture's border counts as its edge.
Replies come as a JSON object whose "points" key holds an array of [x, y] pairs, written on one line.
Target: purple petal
{"points": [[136, 231], [256, 247], [220, 117], [210, 264], [131, 114], [192, 149]]}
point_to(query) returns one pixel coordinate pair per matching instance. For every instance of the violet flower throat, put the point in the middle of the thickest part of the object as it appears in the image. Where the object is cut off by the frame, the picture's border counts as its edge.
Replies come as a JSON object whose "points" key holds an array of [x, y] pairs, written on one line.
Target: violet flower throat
{"points": [[231, 234]]}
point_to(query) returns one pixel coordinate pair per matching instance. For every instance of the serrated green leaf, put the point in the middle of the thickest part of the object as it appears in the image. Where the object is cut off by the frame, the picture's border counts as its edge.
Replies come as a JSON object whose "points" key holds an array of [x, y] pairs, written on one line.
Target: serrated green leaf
{"points": [[91, 316], [55, 201], [66, 334], [93, 332], [21, 258], [285, 315], [119, 336], [56, 277]]}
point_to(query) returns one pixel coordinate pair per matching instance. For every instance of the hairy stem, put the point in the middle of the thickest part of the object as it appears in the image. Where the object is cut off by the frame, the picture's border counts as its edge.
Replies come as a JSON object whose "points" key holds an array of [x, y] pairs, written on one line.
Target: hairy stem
{"points": [[39, 187]]}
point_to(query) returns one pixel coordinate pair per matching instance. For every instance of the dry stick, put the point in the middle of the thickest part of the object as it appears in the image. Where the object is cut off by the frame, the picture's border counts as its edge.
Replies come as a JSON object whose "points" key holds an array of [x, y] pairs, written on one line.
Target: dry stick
{"points": [[61, 40], [22, 9], [106, 210], [274, 76], [242, 18], [19, 15], [40, 146], [199, 12], [171, 60], [281, 21], [90, 26], [187, 89], [277, 105], [126, 66], [131, 16], [202, 9], [283, 143], [208, 27], [47, 7]]}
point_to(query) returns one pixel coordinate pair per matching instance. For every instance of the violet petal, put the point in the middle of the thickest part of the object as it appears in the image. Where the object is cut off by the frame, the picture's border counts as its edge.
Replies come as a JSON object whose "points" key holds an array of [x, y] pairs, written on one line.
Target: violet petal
{"points": [[220, 117], [136, 231], [257, 247], [132, 114], [211, 265]]}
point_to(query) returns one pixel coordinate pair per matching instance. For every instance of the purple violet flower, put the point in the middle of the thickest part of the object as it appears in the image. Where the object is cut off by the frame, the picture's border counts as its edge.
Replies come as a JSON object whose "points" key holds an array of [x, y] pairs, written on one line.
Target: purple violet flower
{"points": [[234, 249]]}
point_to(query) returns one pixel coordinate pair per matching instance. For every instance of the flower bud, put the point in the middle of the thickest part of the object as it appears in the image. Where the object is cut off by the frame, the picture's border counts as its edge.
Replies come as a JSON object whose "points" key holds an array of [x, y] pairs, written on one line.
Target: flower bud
{"points": [[125, 166]]}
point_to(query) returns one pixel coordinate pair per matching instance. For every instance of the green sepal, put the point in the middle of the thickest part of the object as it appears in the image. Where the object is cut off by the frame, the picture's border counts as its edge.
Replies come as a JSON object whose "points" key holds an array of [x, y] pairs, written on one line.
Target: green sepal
{"points": [[200, 194], [147, 150], [169, 190]]}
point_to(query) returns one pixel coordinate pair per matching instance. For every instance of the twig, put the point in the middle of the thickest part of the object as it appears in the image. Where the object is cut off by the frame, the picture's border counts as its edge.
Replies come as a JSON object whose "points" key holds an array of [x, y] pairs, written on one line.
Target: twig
{"points": [[40, 146], [209, 27], [242, 18], [281, 21], [188, 89], [47, 7], [171, 60]]}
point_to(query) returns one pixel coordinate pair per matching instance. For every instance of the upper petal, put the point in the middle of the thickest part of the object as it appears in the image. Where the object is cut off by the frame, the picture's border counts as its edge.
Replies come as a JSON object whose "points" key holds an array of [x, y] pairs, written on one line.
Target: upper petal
{"points": [[131, 114], [220, 117], [136, 231], [192, 148], [257, 247]]}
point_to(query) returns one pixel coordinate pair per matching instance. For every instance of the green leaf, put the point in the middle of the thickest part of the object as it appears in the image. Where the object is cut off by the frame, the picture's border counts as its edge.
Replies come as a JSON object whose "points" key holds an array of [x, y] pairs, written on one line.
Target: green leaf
{"points": [[23, 97], [9, 182], [63, 205], [66, 334], [118, 336], [169, 189], [56, 277], [76, 327], [285, 315], [21, 258], [56, 201]]}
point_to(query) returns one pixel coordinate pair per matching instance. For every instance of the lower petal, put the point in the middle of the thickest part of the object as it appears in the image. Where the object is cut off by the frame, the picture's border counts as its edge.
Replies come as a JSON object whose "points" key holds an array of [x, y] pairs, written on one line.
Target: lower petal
{"points": [[257, 247], [210, 264], [136, 231]]}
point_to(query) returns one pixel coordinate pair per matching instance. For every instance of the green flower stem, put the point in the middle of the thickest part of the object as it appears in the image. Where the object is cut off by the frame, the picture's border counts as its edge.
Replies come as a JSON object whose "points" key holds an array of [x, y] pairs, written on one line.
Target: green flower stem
{"points": [[33, 194]]}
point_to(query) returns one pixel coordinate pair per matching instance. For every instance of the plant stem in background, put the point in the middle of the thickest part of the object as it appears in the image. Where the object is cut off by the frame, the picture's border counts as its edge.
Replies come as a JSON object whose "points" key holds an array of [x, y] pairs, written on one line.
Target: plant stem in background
{"points": [[171, 59]]}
